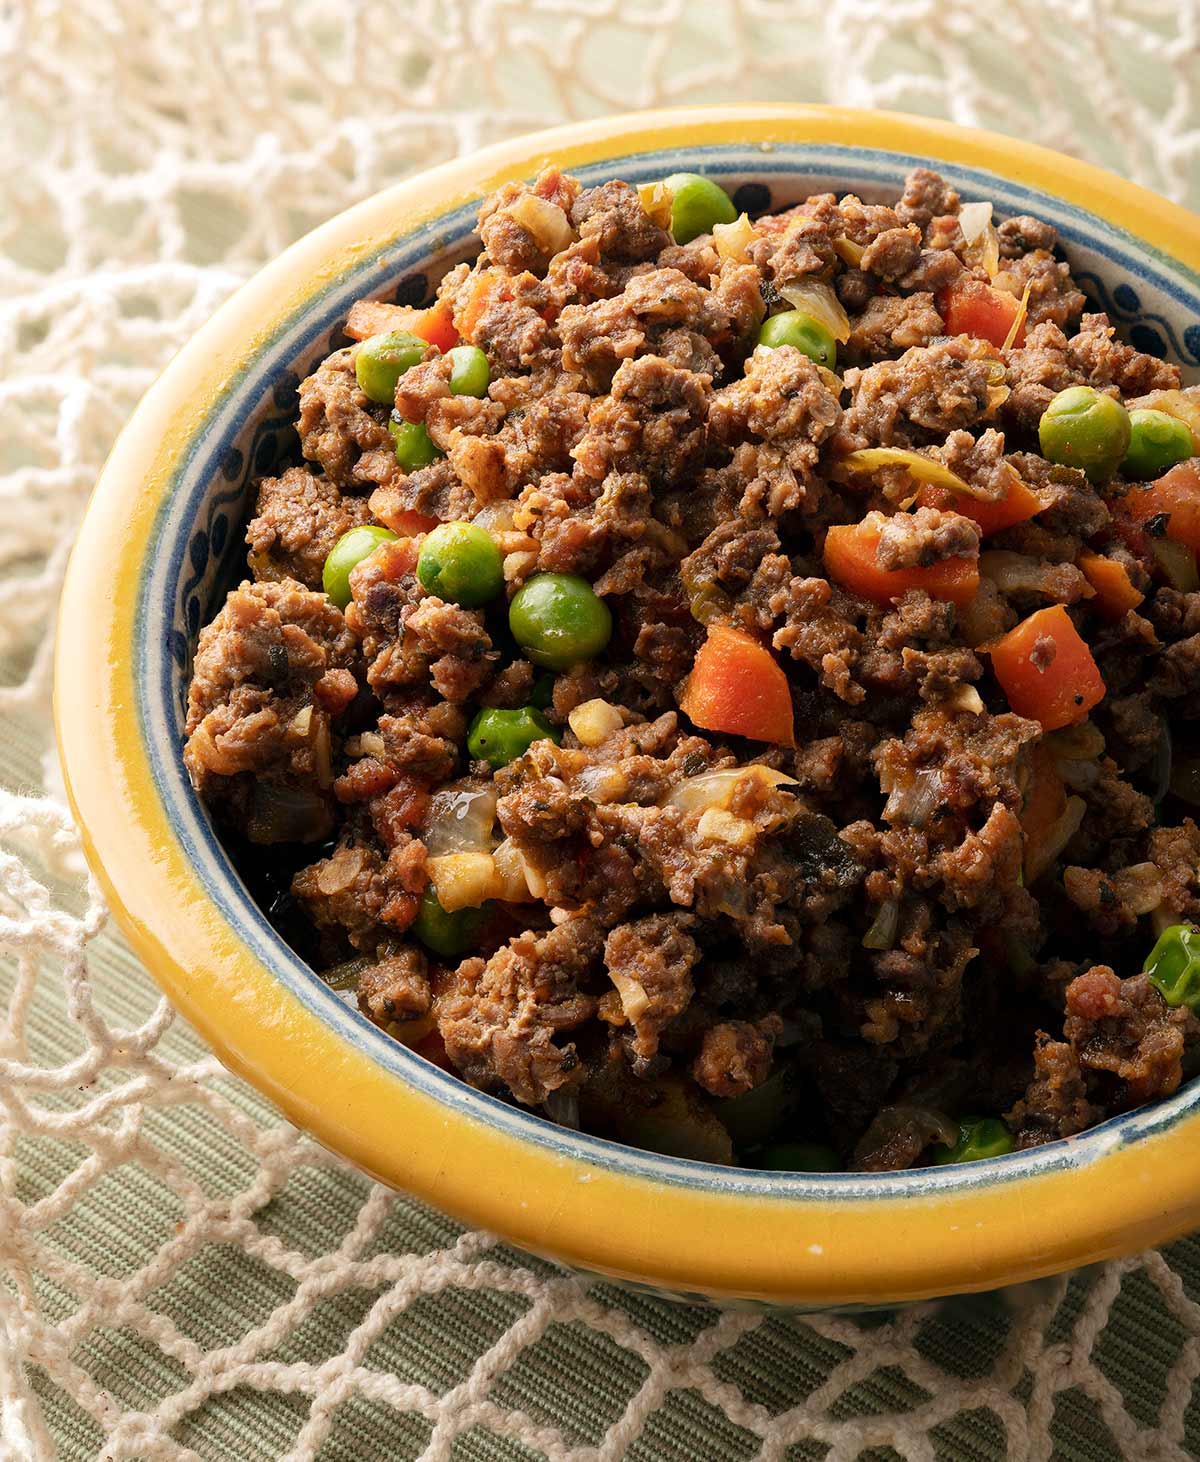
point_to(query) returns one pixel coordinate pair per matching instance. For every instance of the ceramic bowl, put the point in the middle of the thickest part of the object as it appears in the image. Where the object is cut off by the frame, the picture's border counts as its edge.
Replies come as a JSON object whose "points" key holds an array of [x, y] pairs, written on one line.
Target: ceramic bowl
{"points": [[162, 539]]}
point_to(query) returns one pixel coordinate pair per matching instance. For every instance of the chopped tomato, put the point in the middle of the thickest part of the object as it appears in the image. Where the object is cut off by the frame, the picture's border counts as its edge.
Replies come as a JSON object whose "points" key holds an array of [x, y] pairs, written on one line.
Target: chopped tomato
{"points": [[377, 317], [1018, 505], [1171, 505], [850, 562], [737, 687], [1115, 594], [1046, 670], [970, 307]]}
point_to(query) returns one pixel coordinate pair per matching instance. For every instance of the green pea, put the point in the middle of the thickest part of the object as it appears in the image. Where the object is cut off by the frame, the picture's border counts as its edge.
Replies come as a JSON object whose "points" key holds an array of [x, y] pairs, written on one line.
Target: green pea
{"points": [[449, 935], [1084, 428], [696, 204], [559, 620], [800, 1157], [796, 328], [414, 445], [460, 563], [383, 359], [1156, 441], [1174, 965], [470, 374], [978, 1137], [499, 737], [349, 551]]}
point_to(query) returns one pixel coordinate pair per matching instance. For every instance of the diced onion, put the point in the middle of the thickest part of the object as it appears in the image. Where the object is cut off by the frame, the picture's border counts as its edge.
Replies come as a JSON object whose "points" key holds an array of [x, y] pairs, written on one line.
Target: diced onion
{"points": [[1081, 740], [340, 870], [966, 698], [1140, 887], [882, 933], [1039, 856], [733, 239], [914, 799], [973, 219], [1019, 318], [460, 821], [1183, 405], [562, 1106], [719, 789], [496, 517], [547, 223], [657, 199], [718, 826], [1178, 564], [462, 880], [1076, 752], [634, 1000], [344, 976], [818, 300], [595, 721], [832, 382], [510, 885], [848, 251], [923, 469]]}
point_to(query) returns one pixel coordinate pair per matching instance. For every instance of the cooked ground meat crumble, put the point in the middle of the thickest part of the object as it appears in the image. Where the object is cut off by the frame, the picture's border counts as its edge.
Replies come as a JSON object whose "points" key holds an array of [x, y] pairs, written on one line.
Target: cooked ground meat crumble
{"points": [[790, 748]]}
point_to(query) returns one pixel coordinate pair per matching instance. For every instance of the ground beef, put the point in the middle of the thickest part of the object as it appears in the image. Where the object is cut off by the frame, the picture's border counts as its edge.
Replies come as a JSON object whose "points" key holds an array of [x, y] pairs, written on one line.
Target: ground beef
{"points": [[662, 312], [926, 196], [650, 962], [911, 902], [395, 989], [735, 1057], [925, 537], [297, 520], [1023, 235], [367, 895], [891, 323], [1052, 292], [612, 214], [342, 431], [932, 389], [503, 1020]]}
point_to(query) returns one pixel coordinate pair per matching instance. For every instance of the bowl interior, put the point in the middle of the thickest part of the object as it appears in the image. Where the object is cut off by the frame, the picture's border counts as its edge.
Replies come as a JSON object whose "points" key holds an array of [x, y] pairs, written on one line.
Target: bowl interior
{"points": [[196, 552]]}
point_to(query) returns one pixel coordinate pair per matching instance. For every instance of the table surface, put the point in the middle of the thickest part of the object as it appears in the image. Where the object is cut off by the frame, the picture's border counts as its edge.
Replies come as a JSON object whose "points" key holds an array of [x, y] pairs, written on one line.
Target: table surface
{"points": [[182, 1275]]}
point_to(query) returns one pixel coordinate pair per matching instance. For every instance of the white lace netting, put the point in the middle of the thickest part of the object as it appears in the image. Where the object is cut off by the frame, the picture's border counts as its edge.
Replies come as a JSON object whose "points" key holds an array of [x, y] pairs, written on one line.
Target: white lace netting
{"points": [[186, 1276]]}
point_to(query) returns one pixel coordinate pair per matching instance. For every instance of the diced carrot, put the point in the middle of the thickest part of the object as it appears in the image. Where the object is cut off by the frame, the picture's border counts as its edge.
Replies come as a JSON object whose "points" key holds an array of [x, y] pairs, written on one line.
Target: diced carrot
{"points": [[850, 562], [1174, 499], [377, 317], [1018, 505], [436, 324], [970, 307], [736, 686], [1115, 594], [488, 285], [1046, 670]]}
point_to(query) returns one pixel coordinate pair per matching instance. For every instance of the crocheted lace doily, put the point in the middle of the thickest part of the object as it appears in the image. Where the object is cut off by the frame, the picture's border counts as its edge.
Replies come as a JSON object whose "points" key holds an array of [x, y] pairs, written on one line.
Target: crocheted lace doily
{"points": [[181, 1274]]}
